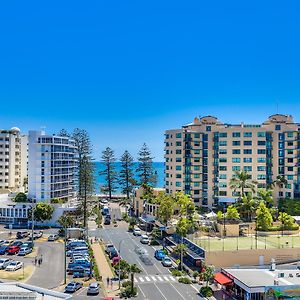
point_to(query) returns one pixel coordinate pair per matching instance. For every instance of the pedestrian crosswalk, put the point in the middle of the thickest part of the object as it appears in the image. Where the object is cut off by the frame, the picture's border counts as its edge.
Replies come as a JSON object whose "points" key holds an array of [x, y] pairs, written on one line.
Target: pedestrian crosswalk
{"points": [[154, 278]]}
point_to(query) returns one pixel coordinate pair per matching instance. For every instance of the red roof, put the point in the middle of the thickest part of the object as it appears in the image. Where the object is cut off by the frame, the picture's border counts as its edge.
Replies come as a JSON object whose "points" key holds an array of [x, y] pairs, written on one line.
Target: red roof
{"points": [[222, 279]]}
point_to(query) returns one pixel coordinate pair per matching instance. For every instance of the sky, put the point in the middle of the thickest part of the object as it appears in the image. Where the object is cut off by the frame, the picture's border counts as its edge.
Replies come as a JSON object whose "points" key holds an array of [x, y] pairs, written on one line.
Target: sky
{"points": [[126, 71]]}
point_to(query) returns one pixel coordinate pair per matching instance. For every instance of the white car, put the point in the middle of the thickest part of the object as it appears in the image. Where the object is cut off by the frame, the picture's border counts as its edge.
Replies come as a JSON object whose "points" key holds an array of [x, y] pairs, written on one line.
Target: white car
{"points": [[144, 239], [14, 266], [137, 232], [167, 262], [53, 237], [4, 262]]}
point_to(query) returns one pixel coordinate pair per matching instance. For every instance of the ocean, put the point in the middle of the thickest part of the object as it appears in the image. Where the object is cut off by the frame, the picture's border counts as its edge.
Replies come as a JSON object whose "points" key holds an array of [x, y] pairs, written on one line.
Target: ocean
{"points": [[100, 181]]}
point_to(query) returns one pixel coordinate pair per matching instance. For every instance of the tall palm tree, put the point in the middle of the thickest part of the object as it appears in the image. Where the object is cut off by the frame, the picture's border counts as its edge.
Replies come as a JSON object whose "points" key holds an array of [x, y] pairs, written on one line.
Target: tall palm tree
{"points": [[247, 207], [265, 195], [241, 181], [133, 269]]}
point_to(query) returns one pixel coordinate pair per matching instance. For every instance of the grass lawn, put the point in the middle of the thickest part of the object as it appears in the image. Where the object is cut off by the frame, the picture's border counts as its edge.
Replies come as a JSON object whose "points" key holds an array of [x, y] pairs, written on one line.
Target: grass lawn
{"points": [[17, 275], [249, 242]]}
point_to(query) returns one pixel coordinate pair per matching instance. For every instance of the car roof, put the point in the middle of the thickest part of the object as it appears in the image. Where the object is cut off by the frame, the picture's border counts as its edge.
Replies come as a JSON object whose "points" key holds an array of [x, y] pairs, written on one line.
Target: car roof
{"points": [[94, 284], [144, 236]]}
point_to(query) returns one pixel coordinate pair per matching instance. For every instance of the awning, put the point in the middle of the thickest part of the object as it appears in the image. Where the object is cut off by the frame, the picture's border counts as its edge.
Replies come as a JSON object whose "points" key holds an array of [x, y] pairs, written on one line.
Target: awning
{"points": [[222, 279]]}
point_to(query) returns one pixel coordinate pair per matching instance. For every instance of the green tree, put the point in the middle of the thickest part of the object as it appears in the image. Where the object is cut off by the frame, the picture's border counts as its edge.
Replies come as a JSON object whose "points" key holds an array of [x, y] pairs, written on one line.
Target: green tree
{"points": [[21, 197], [145, 168], [232, 213], [43, 212], [127, 180], [241, 181], [219, 215], [264, 218], [166, 208], [180, 249], [280, 182], [108, 159], [265, 195], [247, 207], [133, 269], [66, 221], [208, 274], [287, 221]]}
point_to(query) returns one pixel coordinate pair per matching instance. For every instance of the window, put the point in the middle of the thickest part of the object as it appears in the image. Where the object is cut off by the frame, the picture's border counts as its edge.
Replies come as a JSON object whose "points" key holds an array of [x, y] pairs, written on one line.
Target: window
{"points": [[261, 151], [290, 169], [261, 177], [223, 151], [178, 151], [289, 151], [277, 127], [288, 186], [178, 144], [247, 151], [178, 135], [223, 143], [261, 134], [178, 183], [247, 143], [261, 168], [236, 143], [236, 134], [223, 134], [197, 184], [208, 128], [290, 177], [236, 151], [290, 134], [223, 160], [178, 159], [197, 135], [223, 185], [223, 193], [196, 175], [236, 160], [223, 168], [290, 160], [261, 159], [247, 168], [178, 175], [247, 160], [223, 176], [247, 134], [236, 168], [196, 168], [261, 143], [178, 168], [290, 144]]}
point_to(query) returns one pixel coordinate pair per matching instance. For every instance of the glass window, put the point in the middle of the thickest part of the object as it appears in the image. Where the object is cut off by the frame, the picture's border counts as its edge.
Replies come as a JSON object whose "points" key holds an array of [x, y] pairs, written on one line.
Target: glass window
{"points": [[236, 134], [223, 176], [178, 168], [261, 143], [178, 159], [223, 134], [223, 143], [248, 134], [208, 128], [261, 159], [247, 143], [223, 160], [236, 143], [178, 135], [290, 177], [197, 135], [236, 168], [277, 127], [196, 168], [196, 175], [178, 151], [261, 151], [247, 160], [248, 168], [178, 183], [236, 151], [197, 183], [261, 168], [290, 134], [236, 160], [223, 185], [261, 177], [261, 134], [223, 168], [223, 151], [247, 151], [178, 144]]}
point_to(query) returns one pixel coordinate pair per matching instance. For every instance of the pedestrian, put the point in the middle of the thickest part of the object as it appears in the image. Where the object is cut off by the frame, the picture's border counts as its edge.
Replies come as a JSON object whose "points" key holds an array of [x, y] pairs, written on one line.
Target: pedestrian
{"points": [[111, 283], [41, 258], [107, 281], [35, 261], [39, 262]]}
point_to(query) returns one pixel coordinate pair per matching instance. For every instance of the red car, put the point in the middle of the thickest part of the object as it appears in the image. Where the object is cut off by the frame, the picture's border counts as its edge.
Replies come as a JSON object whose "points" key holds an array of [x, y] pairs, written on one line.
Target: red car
{"points": [[13, 249], [115, 260]]}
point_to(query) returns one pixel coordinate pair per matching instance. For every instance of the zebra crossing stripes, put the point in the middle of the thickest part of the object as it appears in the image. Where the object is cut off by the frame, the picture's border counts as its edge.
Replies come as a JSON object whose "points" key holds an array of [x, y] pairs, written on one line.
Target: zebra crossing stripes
{"points": [[154, 278]]}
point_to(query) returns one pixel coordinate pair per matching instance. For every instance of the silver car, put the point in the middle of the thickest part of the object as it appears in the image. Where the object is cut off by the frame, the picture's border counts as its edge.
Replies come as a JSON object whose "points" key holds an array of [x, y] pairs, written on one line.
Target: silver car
{"points": [[93, 288], [4, 262]]}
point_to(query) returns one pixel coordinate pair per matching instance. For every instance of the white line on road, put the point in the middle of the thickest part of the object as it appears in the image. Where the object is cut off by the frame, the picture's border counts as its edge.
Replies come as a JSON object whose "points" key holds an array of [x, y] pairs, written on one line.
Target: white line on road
{"points": [[178, 292], [159, 278], [160, 291], [142, 292], [153, 278], [172, 278], [135, 280], [147, 278], [166, 278], [141, 279], [81, 291]]}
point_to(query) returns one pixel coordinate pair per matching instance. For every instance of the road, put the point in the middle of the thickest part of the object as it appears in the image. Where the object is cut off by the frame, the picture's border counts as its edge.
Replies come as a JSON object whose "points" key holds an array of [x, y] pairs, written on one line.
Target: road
{"points": [[155, 281]]}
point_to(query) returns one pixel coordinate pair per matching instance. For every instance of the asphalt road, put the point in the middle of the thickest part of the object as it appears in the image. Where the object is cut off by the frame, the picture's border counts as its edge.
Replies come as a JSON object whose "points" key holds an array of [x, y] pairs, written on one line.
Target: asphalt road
{"points": [[155, 281]]}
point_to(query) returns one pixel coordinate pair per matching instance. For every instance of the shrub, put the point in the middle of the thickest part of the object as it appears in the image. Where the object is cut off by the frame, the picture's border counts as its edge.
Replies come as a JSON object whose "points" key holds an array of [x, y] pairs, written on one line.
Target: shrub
{"points": [[206, 291], [21, 197], [154, 243], [184, 280], [127, 292], [176, 272], [126, 283], [130, 227]]}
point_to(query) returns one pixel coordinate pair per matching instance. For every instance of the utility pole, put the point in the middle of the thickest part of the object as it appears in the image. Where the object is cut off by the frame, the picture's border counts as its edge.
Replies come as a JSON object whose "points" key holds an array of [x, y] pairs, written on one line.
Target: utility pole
{"points": [[119, 275], [65, 255], [32, 221]]}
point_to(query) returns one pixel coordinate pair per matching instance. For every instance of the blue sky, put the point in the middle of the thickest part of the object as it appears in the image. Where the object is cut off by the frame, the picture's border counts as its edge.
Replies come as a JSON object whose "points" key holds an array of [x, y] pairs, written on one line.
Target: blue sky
{"points": [[128, 70]]}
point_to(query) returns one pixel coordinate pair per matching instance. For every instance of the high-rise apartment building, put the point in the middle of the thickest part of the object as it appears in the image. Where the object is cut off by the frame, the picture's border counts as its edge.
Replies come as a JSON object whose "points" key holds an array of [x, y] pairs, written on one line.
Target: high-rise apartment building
{"points": [[13, 160], [203, 156], [51, 167]]}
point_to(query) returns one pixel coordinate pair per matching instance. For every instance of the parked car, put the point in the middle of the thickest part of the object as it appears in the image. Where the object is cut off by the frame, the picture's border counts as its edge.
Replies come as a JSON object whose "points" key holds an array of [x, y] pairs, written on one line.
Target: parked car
{"points": [[73, 286], [7, 243], [167, 262], [22, 234], [108, 247], [53, 237], [3, 249], [93, 288], [4, 262], [82, 272], [159, 254], [137, 231], [17, 243], [13, 250], [107, 221], [113, 253], [27, 244], [144, 239], [2, 241], [14, 266], [115, 260], [36, 235], [24, 251], [76, 244]]}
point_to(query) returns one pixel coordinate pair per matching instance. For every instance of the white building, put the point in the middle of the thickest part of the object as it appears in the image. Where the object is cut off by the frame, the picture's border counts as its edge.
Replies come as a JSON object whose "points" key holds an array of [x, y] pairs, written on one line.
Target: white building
{"points": [[51, 167], [13, 160]]}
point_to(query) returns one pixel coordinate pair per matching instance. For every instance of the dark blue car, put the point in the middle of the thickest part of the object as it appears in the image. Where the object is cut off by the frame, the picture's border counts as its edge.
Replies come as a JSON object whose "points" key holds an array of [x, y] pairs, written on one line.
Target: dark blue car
{"points": [[159, 254], [3, 249]]}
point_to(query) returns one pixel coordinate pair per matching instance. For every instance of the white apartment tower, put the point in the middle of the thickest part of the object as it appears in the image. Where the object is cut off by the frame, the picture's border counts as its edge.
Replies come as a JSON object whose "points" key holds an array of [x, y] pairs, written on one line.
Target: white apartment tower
{"points": [[13, 160], [51, 167], [203, 156]]}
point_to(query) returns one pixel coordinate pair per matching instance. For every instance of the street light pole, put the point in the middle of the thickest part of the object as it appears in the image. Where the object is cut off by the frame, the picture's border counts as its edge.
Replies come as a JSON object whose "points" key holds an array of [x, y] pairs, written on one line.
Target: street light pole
{"points": [[119, 275], [32, 221], [65, 258]]}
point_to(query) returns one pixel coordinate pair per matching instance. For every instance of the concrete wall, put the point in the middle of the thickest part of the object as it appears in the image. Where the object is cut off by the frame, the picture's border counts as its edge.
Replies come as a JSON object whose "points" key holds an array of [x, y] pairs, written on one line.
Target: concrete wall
{"points": [[250, 257]]}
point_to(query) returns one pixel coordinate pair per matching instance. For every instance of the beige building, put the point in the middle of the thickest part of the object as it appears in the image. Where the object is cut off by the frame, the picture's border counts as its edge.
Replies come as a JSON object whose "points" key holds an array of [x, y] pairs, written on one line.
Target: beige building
{"points": [[13, 160], [203, 156]]}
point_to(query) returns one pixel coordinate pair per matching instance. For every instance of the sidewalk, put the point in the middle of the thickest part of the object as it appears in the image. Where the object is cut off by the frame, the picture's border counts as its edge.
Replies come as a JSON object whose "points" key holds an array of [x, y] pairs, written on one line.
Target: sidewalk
{"points": [[105, 270]]}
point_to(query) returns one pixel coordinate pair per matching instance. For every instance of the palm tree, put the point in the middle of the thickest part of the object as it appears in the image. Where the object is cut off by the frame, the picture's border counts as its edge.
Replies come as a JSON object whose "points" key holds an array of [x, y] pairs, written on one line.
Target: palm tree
{"points": [[180, 249], [247, 206], [133, 269], [280, 182], [265, 195], [241, 181]]}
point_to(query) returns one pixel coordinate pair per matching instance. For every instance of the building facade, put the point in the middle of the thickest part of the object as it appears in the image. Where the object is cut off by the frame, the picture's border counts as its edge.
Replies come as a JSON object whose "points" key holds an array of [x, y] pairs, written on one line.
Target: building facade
{"points": [[203, 156], [13, 160], [51, 167]]}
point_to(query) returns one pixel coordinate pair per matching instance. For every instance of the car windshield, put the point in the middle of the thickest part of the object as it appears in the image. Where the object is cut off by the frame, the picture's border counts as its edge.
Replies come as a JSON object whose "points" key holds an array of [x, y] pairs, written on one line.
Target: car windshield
{"points": [[13, 263]]}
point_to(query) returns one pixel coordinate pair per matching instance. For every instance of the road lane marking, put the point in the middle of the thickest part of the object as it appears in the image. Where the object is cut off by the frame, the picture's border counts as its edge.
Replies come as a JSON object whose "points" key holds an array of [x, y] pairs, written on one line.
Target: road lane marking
{"points": [[159, 278], [153, 278], [81, 290], [166, 278], [160, 291], [141, 279], [147, 278], [172, 278], [135, 280], [142, 292], [178, 292]]}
